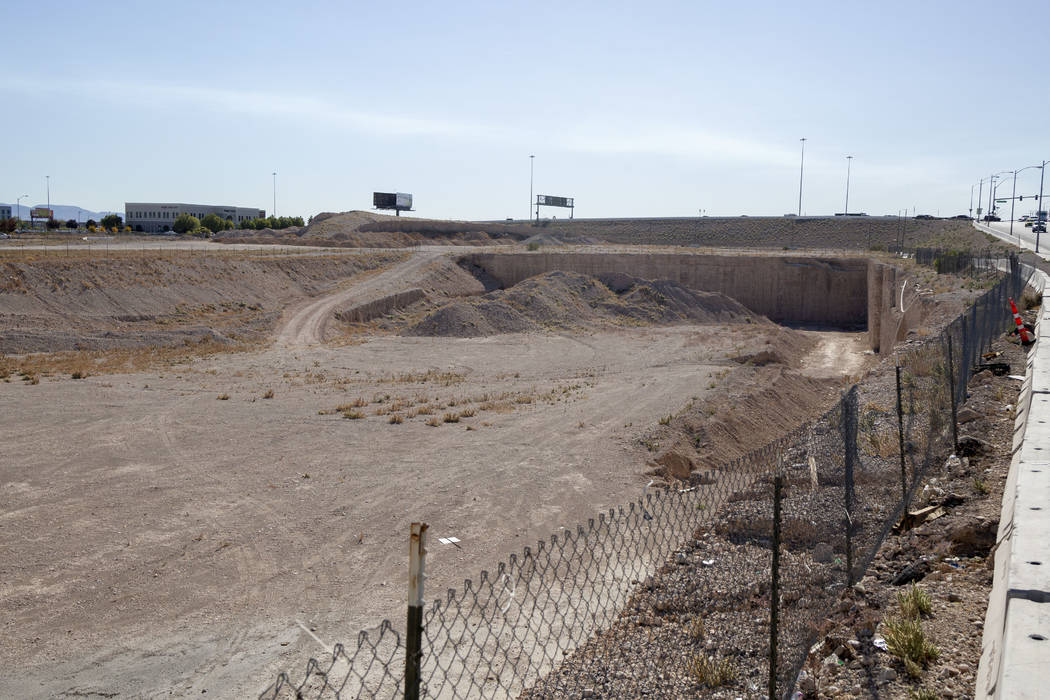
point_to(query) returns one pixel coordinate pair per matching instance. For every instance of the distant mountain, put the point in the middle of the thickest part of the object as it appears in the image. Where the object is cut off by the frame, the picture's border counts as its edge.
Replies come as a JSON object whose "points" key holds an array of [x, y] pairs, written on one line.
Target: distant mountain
{"points": [[63, 212]]}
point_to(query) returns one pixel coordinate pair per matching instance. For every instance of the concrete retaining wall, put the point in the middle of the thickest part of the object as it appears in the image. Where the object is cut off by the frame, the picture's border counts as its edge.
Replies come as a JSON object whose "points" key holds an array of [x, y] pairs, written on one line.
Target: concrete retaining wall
{"points": [[379, 307], [887, 321], [786, 289], [1015, 654]]}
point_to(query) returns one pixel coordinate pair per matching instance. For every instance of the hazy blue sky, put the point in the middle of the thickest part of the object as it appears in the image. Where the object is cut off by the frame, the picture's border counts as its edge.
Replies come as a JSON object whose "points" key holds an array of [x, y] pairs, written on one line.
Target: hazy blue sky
{"points": [[635, 109]]}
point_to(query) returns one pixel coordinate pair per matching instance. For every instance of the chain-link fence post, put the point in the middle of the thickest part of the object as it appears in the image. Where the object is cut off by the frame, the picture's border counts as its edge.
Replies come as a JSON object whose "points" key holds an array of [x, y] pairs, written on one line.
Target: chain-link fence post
{"points": [[849, 440], [417, 553], [900, 437], [774, 586], [951, 389]]}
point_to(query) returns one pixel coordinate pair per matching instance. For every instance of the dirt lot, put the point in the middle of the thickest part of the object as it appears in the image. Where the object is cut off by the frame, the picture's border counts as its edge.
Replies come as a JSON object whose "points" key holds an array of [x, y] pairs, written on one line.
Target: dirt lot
{"points": [[202, 524]]}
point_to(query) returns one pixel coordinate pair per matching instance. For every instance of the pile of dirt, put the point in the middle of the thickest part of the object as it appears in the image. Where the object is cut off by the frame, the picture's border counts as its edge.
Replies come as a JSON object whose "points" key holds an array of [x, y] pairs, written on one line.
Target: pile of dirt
{"points": [[362, 229], [101, 303], [567, 301], [783, 232]]}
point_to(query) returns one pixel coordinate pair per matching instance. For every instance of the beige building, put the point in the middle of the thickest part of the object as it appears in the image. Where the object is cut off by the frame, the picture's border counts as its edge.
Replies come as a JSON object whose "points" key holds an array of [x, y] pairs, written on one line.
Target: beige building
{"points": [[159, 217]]}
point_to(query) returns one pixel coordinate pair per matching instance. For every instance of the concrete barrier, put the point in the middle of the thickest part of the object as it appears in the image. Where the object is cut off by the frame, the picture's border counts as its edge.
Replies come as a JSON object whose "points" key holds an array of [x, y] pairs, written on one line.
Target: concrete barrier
{"points": [[379, 307], [1015, 653]]}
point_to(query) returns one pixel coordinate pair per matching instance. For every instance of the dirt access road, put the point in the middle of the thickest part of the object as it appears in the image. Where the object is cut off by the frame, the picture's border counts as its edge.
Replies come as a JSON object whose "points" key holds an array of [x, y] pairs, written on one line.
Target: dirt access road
{"points": [[306, 324], [175, 532]]}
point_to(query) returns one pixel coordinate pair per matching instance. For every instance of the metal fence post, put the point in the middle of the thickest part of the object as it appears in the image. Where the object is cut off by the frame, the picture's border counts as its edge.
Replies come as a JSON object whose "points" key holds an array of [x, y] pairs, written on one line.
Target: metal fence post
{"points": [[900, 437], [849, 439], [951, 389], [774, 586], [417, 553]]}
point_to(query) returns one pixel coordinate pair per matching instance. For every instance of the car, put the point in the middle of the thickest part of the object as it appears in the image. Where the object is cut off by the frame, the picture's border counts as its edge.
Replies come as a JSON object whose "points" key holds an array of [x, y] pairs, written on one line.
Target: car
{"points": [[1028, 223], [1039, 227], [991, 217], [4, 236]]}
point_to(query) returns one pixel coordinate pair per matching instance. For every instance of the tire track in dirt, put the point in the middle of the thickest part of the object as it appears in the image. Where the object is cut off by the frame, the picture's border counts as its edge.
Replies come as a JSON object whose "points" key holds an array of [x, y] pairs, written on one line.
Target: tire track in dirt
{"points": [[306, 325]]}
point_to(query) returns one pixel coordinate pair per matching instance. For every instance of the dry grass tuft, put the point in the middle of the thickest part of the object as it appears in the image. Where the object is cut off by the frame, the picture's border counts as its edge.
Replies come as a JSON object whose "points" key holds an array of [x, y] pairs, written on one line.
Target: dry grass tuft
{"points": [[906, 640], [914, 602], [711, 672], [433, 421], [395, 419], [268, 394], [450, 418], [223, 397], [353, 414]]}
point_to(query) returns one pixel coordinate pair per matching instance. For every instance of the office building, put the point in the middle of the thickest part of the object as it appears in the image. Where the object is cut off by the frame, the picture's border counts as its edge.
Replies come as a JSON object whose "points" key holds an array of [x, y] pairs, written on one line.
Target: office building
{"points": [[159, 217]]}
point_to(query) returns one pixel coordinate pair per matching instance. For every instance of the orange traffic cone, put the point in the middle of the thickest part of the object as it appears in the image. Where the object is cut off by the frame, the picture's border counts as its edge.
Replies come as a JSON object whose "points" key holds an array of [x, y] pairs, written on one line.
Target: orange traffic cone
{"points": [[1021, 330]]}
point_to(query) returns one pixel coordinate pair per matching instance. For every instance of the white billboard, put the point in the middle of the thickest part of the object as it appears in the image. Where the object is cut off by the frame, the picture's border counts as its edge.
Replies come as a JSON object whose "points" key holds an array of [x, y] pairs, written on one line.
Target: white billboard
{"points": [[403, 201]]}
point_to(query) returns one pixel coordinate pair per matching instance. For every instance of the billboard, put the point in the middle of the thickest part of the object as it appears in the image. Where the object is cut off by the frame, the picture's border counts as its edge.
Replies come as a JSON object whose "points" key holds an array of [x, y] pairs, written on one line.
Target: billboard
{"points": [[392, 200], [552, 201], [41, 213]]}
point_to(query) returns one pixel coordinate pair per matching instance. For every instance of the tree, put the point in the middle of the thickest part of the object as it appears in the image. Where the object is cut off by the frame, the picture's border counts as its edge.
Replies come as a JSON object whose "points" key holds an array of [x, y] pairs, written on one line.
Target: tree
{"points": [[111, 220], [185, 223], [52, 224], [72, 223], [213, 222], [91, 223]]}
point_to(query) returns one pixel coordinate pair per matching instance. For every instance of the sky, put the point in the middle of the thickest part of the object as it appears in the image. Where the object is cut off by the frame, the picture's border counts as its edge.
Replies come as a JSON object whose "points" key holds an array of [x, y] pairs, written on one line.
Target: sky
{"points": [[634, 109]]}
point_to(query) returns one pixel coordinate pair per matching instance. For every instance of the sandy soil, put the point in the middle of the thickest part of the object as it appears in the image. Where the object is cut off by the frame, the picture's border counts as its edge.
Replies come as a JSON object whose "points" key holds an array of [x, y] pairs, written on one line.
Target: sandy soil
{"points": [[179, 532]]}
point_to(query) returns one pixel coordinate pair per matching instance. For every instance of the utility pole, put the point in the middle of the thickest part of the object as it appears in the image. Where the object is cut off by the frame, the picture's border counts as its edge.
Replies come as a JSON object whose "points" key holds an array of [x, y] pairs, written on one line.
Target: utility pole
{"points": [[275, 194], [532, 162], [849, 163], [801, 166]]}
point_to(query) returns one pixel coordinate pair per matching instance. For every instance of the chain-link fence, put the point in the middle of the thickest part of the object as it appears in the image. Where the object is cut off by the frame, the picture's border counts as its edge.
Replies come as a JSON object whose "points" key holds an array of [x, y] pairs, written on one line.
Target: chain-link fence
{"points": [[672, 595]]}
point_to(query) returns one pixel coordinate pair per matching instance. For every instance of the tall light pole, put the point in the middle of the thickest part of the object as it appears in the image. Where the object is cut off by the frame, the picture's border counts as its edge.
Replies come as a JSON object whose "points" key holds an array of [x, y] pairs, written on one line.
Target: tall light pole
{"points": [[971, 200], [1013, 200], [275, 194], [532, 161], [849, 163], [992, 187], [802, 164], [49, 196], [18, 206], [1040, 217]]}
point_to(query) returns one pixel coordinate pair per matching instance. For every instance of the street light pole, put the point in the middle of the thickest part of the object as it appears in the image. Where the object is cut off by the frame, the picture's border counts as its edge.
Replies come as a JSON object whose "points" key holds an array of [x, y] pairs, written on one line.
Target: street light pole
{"points": [[18, 206], [1013, 200], [275, 194], [971, 200], [49, 196], [532, 160], [849, 163], [801, 166]]}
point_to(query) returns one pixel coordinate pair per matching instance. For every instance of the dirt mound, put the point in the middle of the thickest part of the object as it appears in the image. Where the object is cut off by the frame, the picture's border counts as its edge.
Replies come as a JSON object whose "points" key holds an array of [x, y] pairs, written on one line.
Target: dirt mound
{"points": [[120, 301], [780, 232], [567, 301], [370, 230]]}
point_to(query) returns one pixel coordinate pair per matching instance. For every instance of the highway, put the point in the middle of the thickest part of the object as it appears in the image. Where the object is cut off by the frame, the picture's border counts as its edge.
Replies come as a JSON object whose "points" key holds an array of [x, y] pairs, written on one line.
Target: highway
{"points": [[1021, 236]]}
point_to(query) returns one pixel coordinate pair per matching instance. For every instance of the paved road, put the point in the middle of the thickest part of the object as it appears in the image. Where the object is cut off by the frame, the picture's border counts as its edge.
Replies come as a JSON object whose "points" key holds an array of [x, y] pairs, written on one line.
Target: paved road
{"points": [[1021, 236]]}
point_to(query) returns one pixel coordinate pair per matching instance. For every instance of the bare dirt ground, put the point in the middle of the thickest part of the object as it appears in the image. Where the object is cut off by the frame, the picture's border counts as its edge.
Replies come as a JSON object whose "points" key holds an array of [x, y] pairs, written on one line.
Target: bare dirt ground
{"points": [[182, 529], [166, 532]]}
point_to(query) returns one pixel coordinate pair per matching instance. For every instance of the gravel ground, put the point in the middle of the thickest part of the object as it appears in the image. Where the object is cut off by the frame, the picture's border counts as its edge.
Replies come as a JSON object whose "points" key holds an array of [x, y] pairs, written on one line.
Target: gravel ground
{"points": [[699, 627]]}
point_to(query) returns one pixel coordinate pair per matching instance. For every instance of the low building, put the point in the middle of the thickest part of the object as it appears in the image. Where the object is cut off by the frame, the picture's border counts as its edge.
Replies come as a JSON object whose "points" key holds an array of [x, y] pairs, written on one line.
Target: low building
{"points": [[159, 217], [5, 212]]}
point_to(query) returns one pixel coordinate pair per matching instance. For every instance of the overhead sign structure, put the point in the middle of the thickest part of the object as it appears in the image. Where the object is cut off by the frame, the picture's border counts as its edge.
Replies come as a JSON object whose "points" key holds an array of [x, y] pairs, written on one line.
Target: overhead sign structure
{"points": [[398, 201], [41, 213], [547, 200]]}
